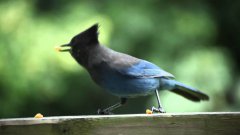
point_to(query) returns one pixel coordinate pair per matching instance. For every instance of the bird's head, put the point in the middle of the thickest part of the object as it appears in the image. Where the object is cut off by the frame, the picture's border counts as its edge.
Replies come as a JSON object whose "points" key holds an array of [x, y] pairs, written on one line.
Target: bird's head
{"points": [[81, 42]]}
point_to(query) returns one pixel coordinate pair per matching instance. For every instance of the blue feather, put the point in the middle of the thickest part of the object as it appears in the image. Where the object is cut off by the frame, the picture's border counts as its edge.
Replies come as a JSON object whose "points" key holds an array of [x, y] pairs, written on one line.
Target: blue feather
{"points": [[123, 84], [145, 69]]}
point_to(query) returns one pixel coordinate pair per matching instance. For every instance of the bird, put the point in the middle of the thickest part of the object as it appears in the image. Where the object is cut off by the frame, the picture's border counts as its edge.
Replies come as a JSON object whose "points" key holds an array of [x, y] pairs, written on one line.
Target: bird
{"points": [[123, 75]]}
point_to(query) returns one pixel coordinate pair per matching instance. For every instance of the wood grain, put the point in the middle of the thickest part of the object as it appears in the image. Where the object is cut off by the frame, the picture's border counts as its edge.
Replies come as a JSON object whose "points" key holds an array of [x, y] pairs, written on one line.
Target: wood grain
{"points": [[214, 123]]}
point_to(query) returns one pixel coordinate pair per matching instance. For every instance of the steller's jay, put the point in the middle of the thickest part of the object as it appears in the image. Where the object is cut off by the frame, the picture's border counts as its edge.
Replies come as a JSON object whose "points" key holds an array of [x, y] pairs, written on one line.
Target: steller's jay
{"points": [[123, 75]]}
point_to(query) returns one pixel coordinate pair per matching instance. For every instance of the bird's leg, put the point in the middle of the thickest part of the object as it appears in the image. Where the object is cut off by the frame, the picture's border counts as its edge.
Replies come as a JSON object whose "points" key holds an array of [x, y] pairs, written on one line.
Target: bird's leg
{"points": [[160, 108], [111, 108]]}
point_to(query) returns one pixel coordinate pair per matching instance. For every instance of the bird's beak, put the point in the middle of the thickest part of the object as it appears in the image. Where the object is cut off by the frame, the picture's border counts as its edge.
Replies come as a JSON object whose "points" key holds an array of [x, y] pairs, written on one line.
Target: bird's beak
{"points": [[63, 48]]}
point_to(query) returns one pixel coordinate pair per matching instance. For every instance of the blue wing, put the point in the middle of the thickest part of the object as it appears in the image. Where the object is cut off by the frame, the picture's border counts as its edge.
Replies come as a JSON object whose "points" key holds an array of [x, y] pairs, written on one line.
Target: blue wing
{"points": [[144, 69]]}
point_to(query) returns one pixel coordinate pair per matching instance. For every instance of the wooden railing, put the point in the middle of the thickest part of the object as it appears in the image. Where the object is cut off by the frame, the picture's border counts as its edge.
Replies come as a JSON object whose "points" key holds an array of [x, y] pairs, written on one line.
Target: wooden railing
{"points": [[224, 123]]}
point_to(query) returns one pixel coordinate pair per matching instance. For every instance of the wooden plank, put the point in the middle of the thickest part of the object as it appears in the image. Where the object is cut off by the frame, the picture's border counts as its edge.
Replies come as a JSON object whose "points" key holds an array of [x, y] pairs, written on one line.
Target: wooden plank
{"points": [[225, 123]]}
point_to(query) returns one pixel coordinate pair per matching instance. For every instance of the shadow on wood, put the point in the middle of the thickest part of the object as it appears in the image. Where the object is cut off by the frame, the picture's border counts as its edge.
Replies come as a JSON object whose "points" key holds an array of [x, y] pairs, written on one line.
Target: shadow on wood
{"points": [[133, 124]]}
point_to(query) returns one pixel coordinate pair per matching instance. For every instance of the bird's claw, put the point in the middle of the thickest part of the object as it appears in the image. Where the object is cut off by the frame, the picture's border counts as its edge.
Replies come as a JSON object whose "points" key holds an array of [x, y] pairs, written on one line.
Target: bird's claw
{"points": [[103, 112], [158, 110]]}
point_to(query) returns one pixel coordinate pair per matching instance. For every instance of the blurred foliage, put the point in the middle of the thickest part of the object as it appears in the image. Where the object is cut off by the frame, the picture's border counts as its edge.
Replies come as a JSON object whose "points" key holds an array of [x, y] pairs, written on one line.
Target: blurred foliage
{"points": [[194, 40]]}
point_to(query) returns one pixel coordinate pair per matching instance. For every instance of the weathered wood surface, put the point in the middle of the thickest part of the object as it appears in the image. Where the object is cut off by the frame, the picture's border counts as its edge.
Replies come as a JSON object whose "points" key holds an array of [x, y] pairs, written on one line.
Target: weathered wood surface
{"points": [[134, 124]]}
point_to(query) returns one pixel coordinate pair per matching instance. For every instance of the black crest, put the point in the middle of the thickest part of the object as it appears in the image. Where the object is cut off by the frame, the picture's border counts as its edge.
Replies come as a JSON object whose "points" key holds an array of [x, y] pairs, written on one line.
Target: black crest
{"points": [[93, 30], [88, 37]]}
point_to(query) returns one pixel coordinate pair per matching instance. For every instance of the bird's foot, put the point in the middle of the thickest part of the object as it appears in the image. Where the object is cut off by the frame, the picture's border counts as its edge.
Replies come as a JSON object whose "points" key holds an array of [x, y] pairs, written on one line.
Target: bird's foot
{"points": [[158, 110], [103, 112]]}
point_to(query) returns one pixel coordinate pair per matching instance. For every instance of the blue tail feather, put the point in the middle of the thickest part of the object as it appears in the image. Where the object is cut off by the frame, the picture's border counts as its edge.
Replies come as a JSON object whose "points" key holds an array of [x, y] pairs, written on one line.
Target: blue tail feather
{"points": [[189, 92]]}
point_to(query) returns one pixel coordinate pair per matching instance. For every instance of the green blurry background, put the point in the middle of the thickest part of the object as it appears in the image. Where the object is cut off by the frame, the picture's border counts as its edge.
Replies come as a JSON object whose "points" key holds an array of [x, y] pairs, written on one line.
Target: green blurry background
{"points": [[197, 41]]}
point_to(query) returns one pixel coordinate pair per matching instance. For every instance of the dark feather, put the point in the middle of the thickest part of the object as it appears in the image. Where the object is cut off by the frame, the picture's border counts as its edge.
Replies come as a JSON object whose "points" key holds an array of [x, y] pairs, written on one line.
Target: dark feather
{"points": [[87, 37], [189, 93], [186, 95]]}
